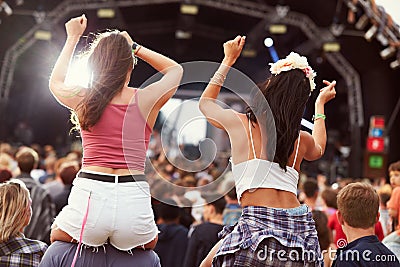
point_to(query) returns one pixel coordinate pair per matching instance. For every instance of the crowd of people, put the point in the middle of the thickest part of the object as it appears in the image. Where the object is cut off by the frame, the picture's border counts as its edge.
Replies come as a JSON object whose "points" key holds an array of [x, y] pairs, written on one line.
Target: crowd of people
{"points": [[108, 205], [38, 178]]}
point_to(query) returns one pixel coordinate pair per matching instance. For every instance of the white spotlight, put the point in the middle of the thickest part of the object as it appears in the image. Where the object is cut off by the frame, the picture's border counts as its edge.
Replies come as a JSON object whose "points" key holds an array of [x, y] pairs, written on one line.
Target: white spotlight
{"points": [[371, 33], [395, 64], [387, 52], [268, 42]]}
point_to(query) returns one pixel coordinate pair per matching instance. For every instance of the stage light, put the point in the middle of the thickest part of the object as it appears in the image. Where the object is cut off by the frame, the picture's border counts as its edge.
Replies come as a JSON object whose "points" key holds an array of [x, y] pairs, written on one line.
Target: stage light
{"points": [[179, 34], [268, 42], [106, 13], [7, 9], [42, 35], [362, 22], [189, 9], [331, 47], [249, 52], [277, 29], [395, 64], [387, 52], [371, 33], [78, 73]]}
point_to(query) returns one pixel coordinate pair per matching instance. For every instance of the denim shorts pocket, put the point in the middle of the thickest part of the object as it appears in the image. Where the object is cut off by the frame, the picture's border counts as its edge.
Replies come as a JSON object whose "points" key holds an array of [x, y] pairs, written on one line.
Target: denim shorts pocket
{"points": [[144, 225], [78, 201]]}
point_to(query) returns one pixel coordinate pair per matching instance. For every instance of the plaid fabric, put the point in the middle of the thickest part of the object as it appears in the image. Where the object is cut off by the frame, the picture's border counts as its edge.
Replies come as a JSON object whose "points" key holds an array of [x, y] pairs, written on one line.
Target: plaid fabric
{"points": [[270, 237], [21, 252]]}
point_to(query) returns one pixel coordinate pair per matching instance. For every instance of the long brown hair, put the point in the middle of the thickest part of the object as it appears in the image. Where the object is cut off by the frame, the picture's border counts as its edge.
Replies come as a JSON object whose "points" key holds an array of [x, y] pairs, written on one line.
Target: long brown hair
{"points": [[109, 60], [287, 94]]}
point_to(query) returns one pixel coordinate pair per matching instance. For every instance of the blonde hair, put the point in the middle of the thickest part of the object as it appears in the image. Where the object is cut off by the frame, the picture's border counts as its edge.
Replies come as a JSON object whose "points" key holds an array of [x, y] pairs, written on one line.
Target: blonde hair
{"points": [[14, 209]]}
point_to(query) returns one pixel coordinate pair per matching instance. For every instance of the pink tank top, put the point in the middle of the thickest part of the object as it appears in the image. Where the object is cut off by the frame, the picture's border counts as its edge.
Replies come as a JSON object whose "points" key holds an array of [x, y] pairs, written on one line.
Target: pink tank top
{"points": [[119, 140]]}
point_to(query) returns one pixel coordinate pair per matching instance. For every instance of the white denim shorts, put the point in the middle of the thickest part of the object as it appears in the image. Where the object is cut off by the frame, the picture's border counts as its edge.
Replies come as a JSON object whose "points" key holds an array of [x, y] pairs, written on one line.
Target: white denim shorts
{"points": [[118, 212]]}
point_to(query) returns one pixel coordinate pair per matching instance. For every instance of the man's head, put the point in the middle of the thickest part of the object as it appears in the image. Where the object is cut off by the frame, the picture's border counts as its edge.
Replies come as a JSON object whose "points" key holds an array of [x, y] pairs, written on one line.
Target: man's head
{"points": [[394, 173], [214, 207], [310, 188], [27, 159], [68, 171], [168, 211], [358, 205]]}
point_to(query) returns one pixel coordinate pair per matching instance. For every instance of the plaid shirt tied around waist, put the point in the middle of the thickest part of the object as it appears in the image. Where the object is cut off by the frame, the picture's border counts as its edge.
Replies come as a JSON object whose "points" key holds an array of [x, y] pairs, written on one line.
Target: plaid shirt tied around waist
{"points": [[291, 231], [21, 252]]}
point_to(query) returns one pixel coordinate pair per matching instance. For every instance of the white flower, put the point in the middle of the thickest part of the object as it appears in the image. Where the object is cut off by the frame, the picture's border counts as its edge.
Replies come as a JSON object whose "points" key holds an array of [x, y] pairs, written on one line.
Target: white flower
{"points": [[294, 61]]}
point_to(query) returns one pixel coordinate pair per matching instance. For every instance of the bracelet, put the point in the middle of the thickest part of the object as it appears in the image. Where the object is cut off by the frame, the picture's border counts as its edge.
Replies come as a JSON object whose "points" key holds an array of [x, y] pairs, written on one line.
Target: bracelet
{"points": [[135, 48], [218, 78], [215, 81], [318, 116]]}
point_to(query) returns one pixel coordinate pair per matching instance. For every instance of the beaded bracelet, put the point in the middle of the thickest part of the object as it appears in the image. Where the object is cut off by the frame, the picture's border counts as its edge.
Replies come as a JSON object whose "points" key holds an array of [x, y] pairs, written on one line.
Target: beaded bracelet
{"points": [[218, 79]]}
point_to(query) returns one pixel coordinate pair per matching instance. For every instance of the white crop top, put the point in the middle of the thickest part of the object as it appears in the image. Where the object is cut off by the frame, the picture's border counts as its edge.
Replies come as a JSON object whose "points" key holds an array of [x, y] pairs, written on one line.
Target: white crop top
{"points": [[259, 173]]}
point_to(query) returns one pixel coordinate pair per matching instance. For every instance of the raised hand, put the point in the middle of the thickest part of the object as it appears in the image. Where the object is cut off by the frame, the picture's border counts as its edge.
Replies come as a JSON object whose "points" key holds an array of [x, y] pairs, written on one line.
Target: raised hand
{"points": [[127, 37], [327, 93], [233, 48], [76, 26]]}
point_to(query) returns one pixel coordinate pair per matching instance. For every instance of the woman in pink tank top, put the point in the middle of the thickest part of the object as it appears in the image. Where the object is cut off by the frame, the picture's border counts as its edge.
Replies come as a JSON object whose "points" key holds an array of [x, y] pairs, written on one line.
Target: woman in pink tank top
{"points": [[110, 199]]}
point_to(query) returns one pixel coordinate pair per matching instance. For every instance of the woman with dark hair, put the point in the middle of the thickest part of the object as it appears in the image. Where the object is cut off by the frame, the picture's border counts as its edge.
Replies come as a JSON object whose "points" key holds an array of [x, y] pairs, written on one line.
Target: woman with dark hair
{"points": [[272, 219], [110, 199]]}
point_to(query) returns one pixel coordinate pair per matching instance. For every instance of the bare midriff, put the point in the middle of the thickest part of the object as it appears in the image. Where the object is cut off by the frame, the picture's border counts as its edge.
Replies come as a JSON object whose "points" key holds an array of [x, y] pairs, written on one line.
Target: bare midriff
{"points": [[272, 198], [112, 171]]}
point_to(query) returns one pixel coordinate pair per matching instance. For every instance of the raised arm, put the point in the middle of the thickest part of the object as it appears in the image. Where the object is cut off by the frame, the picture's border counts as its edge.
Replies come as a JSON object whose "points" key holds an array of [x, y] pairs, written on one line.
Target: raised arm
{"points": [[155, 95], [67, 96], [317, 144], [215, 114]]}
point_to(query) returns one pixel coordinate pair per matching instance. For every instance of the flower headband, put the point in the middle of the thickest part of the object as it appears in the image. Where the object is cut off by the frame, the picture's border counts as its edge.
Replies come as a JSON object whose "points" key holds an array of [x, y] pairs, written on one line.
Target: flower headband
{"points": [[294, 61]]}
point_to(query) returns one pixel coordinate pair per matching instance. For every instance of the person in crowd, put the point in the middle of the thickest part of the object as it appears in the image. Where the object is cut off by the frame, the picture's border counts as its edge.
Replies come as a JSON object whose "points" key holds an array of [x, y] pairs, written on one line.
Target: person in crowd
{"points": [[384, 195], [329, 197], [5, 175], [233, 210], [338, 234], [56, 186], [49, 163], [172, 239], [394, 206], [310, 189], [271, 209], [115, 122], [205, 235], [61, 254], [43, 209], [67, 173], [358, 212], [324, 236], [394, 203], [15, 214]]}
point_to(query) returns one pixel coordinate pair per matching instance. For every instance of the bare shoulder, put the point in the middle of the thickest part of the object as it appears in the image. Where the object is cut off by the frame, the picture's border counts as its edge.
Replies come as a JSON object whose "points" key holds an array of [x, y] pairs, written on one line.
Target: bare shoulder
{"points": [[306, 138]]}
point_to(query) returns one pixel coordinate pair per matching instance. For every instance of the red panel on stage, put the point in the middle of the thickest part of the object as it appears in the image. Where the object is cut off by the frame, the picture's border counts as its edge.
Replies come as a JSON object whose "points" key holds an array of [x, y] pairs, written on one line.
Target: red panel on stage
{"points": [[377, 122], [375, 144]]}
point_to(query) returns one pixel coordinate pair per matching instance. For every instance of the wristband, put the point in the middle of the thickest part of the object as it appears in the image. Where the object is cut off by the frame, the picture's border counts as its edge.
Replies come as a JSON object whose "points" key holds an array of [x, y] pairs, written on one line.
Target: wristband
{"points": [[135, 48], [318, 116]]}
